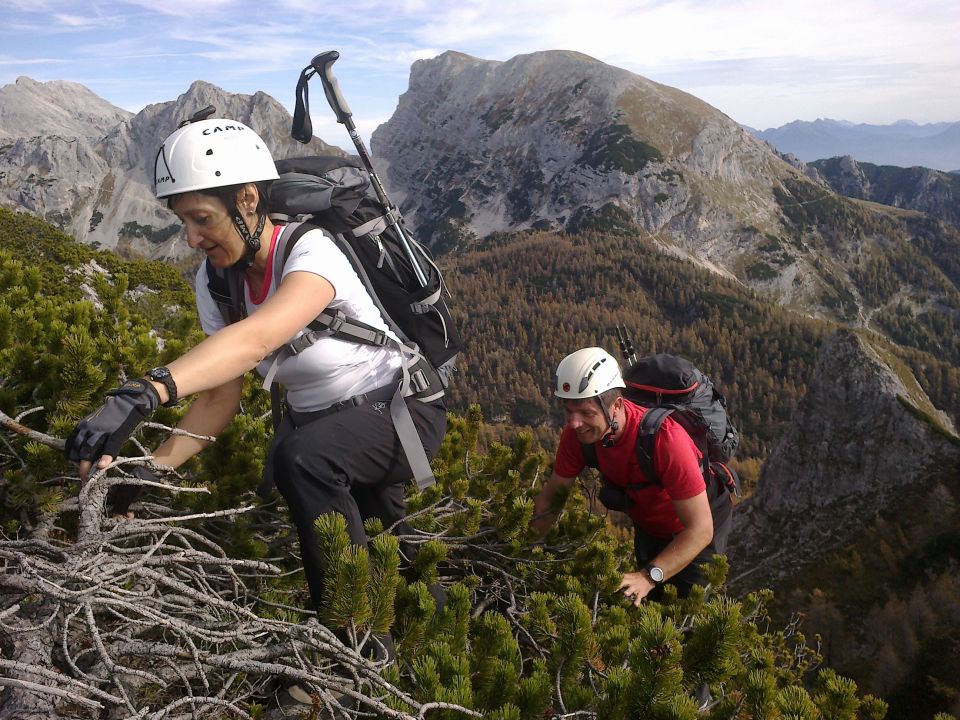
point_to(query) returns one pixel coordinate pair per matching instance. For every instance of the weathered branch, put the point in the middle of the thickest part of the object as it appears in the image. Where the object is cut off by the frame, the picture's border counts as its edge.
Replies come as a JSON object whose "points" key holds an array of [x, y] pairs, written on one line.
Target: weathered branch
{"points": [[49, 690], [10, 424]]}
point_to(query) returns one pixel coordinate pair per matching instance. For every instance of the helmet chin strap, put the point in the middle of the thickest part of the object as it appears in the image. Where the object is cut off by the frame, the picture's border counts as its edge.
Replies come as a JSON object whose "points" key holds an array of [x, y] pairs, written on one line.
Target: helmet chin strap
{"points": [[250, 240], [607, 439]]}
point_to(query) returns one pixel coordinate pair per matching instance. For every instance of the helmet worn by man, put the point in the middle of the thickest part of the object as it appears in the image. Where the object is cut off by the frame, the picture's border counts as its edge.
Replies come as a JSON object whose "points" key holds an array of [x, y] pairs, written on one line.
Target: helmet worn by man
{"points": [[211, 153], [587, 373]]}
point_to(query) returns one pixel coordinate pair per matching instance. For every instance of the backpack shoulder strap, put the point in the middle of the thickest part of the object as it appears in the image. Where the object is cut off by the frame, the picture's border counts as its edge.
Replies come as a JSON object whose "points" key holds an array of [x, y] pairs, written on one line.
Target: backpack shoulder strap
{"points": [[337, 323], [226, 288], [589, 455], [329, 322], [289, 236], [646, 436], [650, 425]]}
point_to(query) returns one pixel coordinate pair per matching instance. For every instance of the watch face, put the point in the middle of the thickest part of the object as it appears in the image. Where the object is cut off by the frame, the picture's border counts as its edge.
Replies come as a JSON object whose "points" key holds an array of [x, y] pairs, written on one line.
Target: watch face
{"points": [[157, 373], [656, 574]]}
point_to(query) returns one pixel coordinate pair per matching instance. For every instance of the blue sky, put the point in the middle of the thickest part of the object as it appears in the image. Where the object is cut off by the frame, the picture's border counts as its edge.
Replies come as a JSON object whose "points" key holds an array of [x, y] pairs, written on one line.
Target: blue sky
{"points": [[762, 62]]}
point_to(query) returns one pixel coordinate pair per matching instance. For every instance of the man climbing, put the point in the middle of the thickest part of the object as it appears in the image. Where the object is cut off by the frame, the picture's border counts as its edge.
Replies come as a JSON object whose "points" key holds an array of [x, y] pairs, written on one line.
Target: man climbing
{"points": [[675, 528]]}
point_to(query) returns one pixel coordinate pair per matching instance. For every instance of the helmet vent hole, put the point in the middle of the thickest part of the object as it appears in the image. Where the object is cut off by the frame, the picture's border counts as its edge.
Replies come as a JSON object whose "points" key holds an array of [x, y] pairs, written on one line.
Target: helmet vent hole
{"points": [[210, 152], [217, 173]]}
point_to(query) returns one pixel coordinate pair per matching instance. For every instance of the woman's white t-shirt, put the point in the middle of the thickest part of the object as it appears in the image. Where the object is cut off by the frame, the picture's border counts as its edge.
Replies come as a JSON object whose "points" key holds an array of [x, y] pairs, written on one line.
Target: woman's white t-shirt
{"points": [[330, 370]]}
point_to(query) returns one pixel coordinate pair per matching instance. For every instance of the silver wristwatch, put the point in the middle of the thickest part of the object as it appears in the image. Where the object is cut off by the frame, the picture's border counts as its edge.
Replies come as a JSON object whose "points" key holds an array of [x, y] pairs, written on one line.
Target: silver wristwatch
{"points": [[655, 574]]}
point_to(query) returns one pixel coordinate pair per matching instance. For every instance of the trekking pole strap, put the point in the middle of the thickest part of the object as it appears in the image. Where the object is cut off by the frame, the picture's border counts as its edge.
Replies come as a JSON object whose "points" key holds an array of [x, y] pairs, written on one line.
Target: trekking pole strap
{"points": [[323, 64], [302, 128]]}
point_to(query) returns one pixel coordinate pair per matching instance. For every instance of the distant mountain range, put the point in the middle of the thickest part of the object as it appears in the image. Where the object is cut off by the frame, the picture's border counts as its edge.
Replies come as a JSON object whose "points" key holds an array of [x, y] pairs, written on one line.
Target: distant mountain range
{"points": [[904, 143], [86, 166], [550, 140]]}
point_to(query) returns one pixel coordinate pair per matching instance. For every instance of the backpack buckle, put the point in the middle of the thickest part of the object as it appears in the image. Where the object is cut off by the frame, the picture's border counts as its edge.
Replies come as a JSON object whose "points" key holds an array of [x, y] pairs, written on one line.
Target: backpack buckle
{"points": [[419, 382], [308, 339], [336, 322]]}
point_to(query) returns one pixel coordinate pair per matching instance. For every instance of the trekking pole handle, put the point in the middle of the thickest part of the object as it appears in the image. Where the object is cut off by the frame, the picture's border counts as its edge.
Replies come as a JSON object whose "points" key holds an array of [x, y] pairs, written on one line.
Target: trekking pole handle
{"points": [[323, 64]]}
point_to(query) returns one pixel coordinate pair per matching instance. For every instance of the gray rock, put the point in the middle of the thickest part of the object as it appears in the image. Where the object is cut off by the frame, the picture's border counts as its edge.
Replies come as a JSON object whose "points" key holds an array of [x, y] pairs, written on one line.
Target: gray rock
{"points": [[534, 141], [87, 166], [864, 435]]}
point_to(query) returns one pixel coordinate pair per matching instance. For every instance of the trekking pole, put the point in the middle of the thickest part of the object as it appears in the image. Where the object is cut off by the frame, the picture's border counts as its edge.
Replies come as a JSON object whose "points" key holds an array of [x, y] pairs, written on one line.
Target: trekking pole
{"points": [[322, 64], [626, 345]]}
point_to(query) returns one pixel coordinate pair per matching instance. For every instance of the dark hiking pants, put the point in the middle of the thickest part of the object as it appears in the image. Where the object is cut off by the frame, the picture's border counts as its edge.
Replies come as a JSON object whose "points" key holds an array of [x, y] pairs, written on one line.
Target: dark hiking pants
{"points": [[350, 462], [647, 547]]}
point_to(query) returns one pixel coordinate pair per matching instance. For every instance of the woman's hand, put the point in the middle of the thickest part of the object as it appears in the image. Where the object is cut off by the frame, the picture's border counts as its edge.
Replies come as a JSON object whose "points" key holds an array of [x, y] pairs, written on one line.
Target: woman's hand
{"points": [[101, 434]]}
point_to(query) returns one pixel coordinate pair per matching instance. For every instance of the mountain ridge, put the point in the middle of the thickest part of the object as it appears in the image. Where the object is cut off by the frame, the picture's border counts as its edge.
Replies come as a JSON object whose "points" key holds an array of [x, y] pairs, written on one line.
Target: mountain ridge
{"points": [[95, 179], [552, 140], [57, 107], [930, 191], [576, 133], [556, 140], [903, 144], [854, 517]]}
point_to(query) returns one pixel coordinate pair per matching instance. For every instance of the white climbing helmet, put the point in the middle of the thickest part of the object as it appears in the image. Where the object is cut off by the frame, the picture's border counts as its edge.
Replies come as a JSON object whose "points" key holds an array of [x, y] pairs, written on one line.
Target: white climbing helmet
{"points": [[211, 153], [587, 373]]}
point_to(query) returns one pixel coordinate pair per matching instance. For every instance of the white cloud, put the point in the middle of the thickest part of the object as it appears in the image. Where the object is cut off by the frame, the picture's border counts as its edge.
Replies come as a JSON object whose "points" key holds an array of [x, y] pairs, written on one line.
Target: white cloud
{"points": [[76, 21]]}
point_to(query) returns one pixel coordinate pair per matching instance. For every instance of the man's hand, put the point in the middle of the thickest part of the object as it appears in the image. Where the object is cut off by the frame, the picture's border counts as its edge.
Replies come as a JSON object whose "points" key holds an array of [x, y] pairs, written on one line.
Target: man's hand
{"points": [[548, 503], [636, 586], [101, 434]]}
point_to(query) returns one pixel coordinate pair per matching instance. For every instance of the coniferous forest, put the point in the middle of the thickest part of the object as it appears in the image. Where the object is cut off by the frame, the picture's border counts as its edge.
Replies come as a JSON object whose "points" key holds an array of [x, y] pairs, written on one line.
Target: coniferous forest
{"points": [[197, 608]]}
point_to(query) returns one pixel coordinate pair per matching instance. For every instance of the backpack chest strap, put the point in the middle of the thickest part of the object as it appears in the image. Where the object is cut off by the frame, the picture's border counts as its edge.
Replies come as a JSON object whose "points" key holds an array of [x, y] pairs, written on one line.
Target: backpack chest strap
{"points": [[336, 323]]}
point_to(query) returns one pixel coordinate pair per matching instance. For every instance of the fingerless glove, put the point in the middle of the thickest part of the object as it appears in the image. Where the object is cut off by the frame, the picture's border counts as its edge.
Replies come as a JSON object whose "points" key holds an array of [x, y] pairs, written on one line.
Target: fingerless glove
{"points": [[105, 430]]}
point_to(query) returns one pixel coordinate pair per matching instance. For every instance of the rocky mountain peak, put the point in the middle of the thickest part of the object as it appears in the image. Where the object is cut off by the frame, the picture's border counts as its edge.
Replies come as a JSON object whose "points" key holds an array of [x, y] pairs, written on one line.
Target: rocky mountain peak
{"points": [[862, 438], [87, 167], [559, 140], [29, 108], [914, 188], [544, 139]]}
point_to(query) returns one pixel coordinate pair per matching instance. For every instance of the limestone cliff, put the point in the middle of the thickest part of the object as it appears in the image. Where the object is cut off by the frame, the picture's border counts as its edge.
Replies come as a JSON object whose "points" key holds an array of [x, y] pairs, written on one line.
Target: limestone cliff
{"points": [[89, 171], [560, 140], [864, 437], [915, 188], [544, 138], [556, 140]]}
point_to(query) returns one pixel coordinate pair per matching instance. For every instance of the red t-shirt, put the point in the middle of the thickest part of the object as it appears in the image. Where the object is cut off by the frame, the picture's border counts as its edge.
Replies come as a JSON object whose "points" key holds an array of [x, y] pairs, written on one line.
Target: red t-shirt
{"points": [[674, 455]]}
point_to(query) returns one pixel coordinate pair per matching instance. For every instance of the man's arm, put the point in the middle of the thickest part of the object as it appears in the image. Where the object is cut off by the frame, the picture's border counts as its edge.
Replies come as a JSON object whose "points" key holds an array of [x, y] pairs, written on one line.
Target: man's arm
{"points": [[549, 502], [697, 533]]}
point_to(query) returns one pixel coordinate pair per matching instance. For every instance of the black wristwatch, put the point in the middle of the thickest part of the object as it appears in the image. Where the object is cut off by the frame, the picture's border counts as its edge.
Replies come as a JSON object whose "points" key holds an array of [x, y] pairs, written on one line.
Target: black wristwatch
{"points": [[162, 375], [655, 574]]}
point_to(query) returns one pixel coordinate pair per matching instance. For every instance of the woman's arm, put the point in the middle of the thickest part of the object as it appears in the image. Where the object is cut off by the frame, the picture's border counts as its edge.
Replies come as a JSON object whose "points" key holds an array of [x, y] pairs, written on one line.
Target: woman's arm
{"points": [[228, 354], [240, 347], [209, 413]]}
